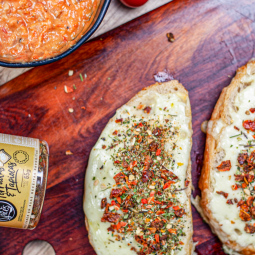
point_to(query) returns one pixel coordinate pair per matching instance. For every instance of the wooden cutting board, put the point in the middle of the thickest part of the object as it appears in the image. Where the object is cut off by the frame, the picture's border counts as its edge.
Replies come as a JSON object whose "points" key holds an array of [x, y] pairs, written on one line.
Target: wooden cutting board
{"points": [[213, 38]]}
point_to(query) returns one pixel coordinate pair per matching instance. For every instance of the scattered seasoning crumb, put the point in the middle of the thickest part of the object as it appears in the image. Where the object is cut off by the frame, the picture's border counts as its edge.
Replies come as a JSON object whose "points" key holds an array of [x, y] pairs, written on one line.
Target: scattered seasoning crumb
{"points": [[229, 76], [29, 115], [170, 37], [83, 107], [70, 73], [73, 98], [68, 152], [70, 110], [101, 98], [85, 76], [70, 238], [74, 86], [55, 87], [109, 78], [101, 39], [68, 89], [81, 77]]}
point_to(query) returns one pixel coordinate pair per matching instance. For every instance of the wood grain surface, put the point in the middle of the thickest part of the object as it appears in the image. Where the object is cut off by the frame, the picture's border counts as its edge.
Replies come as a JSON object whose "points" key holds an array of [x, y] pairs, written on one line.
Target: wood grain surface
{"points": [[116, 15], [213, 38]]}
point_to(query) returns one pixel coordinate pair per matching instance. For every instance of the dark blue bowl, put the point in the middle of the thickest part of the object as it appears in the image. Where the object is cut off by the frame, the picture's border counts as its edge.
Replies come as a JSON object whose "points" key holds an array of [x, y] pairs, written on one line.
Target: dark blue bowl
{"points": [[98, 18]]}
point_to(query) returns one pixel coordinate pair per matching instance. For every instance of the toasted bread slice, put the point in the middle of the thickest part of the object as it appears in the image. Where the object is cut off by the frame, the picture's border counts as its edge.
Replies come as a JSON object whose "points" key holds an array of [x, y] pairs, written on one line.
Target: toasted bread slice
{"points": [[227, 179], [138, 179]]}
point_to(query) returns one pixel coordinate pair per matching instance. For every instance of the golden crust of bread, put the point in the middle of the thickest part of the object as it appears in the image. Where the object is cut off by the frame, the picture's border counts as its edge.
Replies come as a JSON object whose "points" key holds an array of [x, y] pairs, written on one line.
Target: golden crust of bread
{"points": [[221, 111], [161, 88]]}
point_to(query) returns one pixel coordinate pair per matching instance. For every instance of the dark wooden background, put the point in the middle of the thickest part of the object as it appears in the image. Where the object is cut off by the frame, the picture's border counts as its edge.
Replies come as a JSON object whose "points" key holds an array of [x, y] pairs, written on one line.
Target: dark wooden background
{"points": [[213, 38]]}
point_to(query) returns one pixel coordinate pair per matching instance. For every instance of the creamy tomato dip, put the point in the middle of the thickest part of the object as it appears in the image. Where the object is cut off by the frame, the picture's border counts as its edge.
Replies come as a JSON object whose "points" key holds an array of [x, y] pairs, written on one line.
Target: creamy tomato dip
{"points": [[32, 30]]}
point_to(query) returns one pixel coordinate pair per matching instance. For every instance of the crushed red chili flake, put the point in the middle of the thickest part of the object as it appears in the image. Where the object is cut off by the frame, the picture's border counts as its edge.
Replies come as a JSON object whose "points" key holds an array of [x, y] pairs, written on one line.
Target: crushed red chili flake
{"points": [[224, 166], [222, 193], [158, 152], [242, 158], [236, 128], [68, 152], [249, 229], [68, 89], [234, 187], [230, 202], [249, 125], [119, 120], [147, 109], [245, 216], [187, 182], [110, 217], [252, 110], [103, 203]]}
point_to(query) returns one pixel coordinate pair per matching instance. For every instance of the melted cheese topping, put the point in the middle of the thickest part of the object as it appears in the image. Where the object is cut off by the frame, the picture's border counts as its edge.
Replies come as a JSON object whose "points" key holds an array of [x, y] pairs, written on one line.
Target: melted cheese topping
{"points": [[228, 215], [98, 182]]}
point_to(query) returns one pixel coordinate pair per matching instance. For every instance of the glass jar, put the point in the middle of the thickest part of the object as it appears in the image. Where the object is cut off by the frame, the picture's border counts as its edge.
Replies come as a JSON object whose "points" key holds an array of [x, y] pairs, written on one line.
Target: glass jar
{"points": [[23, 180]]}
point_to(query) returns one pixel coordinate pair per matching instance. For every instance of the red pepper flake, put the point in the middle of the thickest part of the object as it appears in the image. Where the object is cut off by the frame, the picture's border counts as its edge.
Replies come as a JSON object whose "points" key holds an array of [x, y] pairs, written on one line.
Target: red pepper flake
{"points": [[119, 120], [68, 89], [147, 109], [187, 183], [116, 162], [224, 166], [158, 152], [222, 193], [68, 152], [153, 192], [157, 238], [168, 184], [172, 231], [245, 216], [236, 128], [140, 124], [119, 199], [244, 185], [140, 106], [115, 132], [83, 107], [252, 110], [249, 125], [144, 201], [230, 202], [234, 187]]}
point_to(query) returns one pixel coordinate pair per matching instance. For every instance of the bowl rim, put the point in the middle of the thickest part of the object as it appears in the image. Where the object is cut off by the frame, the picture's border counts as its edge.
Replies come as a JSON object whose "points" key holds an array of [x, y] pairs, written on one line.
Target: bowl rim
{"points": [[82, 40]]}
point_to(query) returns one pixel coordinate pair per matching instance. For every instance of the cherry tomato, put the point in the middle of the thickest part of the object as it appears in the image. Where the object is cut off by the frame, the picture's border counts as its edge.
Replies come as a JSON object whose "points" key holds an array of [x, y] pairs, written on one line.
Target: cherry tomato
{"points": [[133, 3]]}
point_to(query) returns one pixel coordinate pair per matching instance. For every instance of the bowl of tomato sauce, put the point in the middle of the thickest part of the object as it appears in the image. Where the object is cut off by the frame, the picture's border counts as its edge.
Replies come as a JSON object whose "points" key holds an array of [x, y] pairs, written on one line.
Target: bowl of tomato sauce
{"points": [[34, 33]]}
